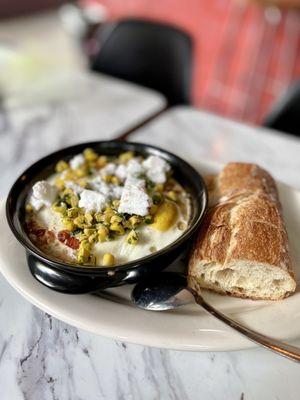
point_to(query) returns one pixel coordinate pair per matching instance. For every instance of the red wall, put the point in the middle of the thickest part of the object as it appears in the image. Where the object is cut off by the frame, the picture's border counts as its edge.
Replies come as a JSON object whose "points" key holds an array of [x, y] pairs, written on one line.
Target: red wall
{"points": [[244, 56]]}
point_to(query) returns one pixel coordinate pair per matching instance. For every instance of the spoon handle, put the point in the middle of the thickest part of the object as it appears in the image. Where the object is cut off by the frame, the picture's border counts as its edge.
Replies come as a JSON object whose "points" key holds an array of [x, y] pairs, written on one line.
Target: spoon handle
{"points": [[277, 346]]}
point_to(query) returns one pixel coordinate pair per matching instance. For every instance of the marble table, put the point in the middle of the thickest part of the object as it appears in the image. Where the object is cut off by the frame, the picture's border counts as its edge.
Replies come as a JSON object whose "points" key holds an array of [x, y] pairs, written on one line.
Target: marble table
{"points": [[65, 109], [42, 358]]}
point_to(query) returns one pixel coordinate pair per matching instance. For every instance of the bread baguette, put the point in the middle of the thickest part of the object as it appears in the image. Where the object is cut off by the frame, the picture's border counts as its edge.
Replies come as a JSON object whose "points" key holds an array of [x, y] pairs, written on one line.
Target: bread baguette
{"points": [[242, 247]]}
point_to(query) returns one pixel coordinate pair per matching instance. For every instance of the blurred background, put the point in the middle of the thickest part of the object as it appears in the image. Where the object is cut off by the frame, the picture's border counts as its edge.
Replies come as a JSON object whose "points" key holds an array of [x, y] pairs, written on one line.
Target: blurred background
{"points": [[239, 59]]}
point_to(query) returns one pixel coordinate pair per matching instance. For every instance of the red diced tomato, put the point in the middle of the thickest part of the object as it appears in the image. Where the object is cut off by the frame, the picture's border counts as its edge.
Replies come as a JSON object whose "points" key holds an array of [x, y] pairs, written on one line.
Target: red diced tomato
{"points": [[39, 232], [73, 243], [62, 236]]}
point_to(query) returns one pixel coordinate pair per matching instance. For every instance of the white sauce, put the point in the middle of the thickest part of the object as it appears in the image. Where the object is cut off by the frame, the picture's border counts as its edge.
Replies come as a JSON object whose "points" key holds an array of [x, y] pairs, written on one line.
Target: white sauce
{"points": [[149, 240]]}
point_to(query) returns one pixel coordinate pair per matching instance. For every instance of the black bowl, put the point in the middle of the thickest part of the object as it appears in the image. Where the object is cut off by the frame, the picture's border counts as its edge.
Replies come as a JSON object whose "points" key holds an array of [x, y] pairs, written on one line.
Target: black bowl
{"points": [[74, 278]]}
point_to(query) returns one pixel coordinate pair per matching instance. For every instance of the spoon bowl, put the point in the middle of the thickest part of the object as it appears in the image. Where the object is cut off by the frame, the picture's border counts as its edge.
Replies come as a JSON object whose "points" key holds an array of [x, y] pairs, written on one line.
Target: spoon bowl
{"points": [[162, 292]]}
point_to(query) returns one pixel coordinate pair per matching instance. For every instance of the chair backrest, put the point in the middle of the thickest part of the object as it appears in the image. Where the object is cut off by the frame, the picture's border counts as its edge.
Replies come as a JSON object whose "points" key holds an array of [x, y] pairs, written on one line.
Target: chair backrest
{"points": [[286, 114], [150, 54]]}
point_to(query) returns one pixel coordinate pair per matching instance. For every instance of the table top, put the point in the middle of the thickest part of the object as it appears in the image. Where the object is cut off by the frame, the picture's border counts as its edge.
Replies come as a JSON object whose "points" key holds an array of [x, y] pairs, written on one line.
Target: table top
{"points": [[198, 135], [65, 109], [42, 358]]}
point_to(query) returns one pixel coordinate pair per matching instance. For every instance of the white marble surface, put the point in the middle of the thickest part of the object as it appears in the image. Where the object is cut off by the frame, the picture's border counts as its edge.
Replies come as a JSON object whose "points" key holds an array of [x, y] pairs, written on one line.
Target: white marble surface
{"points": [[42, 358], [197, 135], [65, 109]]}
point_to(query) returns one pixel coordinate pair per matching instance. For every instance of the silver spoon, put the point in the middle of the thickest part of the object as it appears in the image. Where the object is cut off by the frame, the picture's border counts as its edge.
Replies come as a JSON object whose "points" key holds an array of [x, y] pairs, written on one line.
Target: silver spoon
{"points": [[169, 290]]}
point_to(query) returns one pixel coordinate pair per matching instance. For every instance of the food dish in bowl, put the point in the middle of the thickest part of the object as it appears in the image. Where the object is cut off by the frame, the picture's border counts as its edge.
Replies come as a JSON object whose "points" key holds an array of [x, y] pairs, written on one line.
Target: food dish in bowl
{"points": [[103, 211], [81, 277]]}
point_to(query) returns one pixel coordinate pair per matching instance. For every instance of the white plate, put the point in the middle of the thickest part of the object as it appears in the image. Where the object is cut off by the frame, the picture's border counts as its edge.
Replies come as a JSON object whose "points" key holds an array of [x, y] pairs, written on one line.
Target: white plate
{"points": [[188, 328]]}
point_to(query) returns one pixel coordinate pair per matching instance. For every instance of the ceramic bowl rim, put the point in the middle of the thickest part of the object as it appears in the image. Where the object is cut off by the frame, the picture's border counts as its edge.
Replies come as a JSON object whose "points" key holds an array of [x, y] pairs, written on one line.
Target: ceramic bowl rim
{"points": [[87, 269]]}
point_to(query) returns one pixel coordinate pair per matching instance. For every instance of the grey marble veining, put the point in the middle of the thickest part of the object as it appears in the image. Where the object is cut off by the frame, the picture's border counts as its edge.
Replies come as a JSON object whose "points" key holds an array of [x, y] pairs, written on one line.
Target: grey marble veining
{"points": [[42, 358]]}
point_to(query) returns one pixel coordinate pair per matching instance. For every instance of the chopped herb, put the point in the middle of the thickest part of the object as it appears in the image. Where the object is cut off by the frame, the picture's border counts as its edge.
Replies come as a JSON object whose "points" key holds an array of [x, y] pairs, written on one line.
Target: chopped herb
{"points": [[76, 232], [149, 185], [142, 176], [157, 198], [148, 219]]}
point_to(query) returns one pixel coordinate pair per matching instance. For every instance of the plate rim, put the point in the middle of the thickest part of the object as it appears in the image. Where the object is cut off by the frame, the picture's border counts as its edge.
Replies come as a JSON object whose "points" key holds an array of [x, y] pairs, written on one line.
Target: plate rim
{"points": [[106, 329]]}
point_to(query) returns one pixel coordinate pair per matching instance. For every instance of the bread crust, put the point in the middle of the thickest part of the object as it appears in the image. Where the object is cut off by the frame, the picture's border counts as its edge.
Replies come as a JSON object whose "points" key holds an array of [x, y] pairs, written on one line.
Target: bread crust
{"points": [[242, 177], [246, 224]]}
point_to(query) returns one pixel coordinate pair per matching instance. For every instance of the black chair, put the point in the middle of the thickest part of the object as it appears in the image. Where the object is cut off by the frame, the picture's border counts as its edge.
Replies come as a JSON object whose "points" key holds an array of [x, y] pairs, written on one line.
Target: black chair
{"points": [[150, 54], [286, 114]]}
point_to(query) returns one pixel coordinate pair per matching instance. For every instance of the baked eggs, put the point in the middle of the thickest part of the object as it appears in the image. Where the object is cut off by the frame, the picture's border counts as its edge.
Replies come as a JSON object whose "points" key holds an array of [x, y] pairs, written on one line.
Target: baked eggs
{"points": [[105, 211]]}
